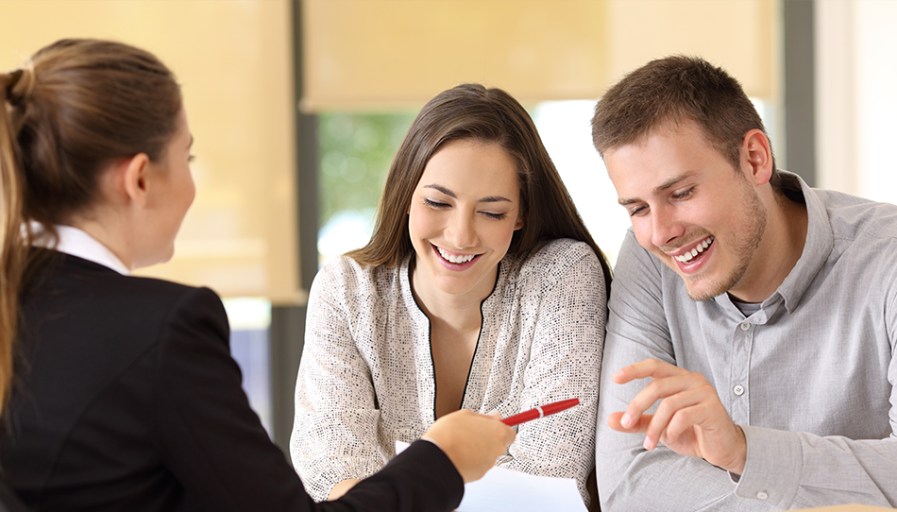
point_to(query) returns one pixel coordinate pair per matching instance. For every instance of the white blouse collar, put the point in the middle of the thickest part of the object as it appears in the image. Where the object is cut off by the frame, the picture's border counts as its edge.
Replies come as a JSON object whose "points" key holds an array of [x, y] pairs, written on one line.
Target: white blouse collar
{"points": [[76, 242]]}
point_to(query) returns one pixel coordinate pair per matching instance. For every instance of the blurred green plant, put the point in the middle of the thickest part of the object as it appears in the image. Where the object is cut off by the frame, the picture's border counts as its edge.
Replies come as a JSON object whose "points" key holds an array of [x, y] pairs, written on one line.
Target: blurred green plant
{"points": [[356, 150]]}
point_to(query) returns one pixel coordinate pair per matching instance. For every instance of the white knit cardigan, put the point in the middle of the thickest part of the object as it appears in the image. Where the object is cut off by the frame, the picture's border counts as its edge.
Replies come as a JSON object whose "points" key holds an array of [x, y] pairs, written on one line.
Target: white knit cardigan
{"points": [[366, 377]]}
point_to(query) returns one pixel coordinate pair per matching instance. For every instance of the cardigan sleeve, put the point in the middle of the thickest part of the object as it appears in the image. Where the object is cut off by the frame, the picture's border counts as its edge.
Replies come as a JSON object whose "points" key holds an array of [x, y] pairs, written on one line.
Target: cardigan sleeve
{"points": [[335, 429]]}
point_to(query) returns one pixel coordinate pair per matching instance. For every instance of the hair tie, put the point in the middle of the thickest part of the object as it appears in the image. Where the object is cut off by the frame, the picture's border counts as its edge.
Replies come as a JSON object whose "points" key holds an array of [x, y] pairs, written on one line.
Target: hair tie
{"points": [[20, 84]]}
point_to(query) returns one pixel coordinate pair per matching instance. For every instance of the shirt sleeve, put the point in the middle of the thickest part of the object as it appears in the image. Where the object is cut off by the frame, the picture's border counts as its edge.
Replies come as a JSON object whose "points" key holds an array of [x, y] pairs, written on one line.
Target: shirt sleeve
{"points": [[335, 430], [564, 362], [801, 470], [629, 477], [784, 470]]}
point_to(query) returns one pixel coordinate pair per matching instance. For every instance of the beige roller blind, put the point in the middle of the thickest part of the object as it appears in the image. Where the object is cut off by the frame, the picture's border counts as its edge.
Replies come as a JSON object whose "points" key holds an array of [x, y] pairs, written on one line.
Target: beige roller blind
{"points": [[234, 60], [376, 54], [742, 36]]}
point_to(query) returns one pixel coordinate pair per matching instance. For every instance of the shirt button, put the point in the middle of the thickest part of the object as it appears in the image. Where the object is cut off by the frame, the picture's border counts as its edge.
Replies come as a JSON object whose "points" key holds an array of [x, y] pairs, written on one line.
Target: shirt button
{"points": [[738, 390], [762, 495], [745, 326]]}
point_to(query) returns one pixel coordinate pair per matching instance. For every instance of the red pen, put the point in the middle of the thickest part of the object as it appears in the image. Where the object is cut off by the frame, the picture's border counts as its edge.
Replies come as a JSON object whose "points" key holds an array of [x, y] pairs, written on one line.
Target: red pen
{"points": [[540, 412]]}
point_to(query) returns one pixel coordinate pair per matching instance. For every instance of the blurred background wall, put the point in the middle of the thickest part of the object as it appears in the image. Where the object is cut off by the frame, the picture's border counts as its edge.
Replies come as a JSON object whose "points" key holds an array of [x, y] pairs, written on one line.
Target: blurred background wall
{"points": [[234, 60], [298, 105]]}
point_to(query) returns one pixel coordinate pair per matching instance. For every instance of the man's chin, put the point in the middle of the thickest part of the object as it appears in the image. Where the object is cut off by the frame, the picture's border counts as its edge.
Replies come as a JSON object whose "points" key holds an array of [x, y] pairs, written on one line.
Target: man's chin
{"points": [[699, 290]]}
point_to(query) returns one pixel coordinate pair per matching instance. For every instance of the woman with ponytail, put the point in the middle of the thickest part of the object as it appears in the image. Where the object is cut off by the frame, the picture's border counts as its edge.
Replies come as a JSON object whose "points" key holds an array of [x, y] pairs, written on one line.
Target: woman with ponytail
{"points": [[119, 392]]}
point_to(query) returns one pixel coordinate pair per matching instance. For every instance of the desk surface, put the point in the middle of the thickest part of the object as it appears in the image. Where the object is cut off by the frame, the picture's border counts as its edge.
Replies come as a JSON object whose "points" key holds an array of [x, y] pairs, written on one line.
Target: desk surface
{"points": [[848, 508]]}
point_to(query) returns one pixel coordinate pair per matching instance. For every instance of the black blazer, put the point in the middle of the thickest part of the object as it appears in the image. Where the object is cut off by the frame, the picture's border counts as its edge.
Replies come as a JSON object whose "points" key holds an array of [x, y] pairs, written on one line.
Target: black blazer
{"points": [[9, 502], [126, 398]]}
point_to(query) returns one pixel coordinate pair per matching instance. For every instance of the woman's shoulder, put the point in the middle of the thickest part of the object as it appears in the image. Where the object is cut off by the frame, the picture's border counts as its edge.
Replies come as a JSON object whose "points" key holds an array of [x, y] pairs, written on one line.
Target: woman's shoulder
{"points": [[169, 300], [73, 297], [346, 274], [559, 259], [67, 274], [561, 253]]}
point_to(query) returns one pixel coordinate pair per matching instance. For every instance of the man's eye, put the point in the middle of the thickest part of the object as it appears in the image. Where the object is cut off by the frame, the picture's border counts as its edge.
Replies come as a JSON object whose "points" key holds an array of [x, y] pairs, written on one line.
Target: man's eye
{"points": [[682, 194], [637, 210]]}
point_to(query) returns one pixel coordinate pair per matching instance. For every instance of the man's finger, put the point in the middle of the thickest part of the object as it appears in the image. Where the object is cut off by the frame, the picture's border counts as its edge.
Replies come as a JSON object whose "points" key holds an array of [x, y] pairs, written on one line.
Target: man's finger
{"points": [[671, 414], [653, 368], [614, 421], [661, 389]]}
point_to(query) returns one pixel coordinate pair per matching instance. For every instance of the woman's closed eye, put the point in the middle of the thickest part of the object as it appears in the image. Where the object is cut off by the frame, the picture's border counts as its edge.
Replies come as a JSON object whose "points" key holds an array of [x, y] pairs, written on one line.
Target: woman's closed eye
{"points": [[439, 205], [432, 203], [495, 215]]}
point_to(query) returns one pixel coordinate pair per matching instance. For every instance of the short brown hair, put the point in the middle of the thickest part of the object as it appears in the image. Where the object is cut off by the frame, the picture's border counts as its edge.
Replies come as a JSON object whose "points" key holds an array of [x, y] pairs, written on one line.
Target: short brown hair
{"points": [[671, 90]]}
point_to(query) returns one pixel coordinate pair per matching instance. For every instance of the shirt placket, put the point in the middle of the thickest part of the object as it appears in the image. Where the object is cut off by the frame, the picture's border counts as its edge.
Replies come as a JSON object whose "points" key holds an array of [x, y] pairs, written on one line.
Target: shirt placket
{"points": [[739, 384]]}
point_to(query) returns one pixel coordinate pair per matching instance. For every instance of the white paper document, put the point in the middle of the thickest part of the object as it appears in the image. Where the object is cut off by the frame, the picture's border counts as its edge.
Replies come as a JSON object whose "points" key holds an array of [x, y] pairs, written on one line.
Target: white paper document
{"points": [[503, 490]]}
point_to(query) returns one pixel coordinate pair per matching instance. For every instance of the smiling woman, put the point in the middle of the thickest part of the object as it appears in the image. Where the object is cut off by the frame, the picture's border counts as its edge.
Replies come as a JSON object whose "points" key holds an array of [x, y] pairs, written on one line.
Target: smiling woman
{"points": [[462, 217], [480, 289], [463, 214]]}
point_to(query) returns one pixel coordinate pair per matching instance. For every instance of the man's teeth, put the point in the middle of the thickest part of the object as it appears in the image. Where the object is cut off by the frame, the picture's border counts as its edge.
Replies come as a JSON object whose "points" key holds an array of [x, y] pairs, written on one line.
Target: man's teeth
{"points": [[688, 256], [461, 258]]}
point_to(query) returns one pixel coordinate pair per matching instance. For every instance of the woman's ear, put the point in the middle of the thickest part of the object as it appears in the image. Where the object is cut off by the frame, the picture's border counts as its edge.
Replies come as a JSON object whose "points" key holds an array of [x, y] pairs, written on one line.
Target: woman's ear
{"points": [[135, 178]]}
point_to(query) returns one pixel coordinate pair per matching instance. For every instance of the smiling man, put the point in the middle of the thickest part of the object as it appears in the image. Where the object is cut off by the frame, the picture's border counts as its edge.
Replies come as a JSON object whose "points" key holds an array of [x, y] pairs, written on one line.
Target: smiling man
{"points": [[749, 362]]}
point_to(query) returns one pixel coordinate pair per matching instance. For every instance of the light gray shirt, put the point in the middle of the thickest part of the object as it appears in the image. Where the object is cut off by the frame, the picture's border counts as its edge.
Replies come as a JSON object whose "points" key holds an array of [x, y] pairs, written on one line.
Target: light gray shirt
{"points": [[810, 376], [366, 377]]}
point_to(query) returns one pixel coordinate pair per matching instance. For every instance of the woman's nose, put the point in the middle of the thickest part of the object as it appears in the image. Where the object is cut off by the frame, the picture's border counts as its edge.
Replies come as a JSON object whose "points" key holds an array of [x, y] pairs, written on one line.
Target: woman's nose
{"points": [[461, 231]]}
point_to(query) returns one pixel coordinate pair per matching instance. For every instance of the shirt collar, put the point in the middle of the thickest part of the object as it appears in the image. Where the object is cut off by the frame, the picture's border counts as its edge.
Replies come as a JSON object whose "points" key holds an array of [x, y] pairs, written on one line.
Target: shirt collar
{"points": [[77, 242], [817, 247]]}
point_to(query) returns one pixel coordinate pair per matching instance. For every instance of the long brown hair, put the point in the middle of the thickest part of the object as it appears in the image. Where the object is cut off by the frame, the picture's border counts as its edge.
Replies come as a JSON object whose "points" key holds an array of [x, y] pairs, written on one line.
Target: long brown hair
{"points": [[75, 107], [471, 111]]}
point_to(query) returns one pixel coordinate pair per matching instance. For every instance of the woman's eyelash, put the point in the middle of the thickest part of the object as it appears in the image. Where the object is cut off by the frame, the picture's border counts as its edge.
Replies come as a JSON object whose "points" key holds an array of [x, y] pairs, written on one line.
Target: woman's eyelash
{"points": [[439, 205], [434, 204]]}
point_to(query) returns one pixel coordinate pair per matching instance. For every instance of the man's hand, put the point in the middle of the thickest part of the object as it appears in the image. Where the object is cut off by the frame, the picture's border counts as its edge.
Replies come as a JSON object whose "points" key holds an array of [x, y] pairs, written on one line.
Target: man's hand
{"points": [[690, 419]]}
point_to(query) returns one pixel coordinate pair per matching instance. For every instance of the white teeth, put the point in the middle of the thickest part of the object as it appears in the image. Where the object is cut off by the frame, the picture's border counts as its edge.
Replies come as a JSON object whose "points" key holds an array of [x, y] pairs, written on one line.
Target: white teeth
{"points": [[455, 259], [688, 256]]}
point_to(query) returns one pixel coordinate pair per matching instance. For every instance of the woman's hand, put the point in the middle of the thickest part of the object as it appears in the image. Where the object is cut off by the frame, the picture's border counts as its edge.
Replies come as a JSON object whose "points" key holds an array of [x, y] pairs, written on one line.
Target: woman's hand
{"points": [[472, 441]]}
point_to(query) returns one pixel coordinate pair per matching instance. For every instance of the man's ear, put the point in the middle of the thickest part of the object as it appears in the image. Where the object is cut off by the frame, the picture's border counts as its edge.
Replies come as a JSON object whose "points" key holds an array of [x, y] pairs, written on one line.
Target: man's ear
{"points": [[757, 154], [136, 178]]}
